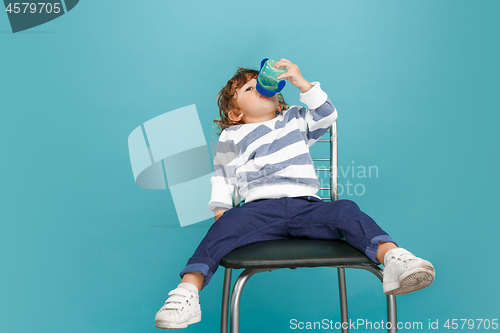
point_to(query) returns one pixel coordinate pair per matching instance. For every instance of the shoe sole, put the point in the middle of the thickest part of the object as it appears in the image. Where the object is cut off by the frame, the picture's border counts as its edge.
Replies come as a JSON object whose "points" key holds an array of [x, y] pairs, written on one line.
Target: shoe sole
{"points": [[411, 281], [172, 326]]}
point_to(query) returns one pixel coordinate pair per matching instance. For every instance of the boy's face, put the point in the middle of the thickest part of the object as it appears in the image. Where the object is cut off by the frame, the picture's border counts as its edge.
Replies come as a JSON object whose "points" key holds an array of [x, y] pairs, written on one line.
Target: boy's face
{"points": [[254, 106]]}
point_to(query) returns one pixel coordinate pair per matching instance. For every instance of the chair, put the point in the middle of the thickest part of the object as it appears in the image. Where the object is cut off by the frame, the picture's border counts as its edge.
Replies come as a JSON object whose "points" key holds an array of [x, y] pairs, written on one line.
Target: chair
{"points": [[296, 253]]}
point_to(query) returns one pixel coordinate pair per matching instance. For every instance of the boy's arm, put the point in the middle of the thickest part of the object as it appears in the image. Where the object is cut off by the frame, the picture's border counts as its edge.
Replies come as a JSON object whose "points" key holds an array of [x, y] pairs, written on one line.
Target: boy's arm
{"points": [[321, 113], [224, 177]]}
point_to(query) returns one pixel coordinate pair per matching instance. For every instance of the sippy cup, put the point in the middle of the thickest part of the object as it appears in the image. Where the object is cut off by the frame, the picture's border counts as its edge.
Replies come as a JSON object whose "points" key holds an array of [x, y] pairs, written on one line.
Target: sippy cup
{"points": [[267, 81]]}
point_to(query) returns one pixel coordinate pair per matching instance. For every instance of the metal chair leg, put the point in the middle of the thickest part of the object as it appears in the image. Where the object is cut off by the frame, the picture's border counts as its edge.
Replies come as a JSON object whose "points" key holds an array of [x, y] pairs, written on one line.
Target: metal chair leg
{"points": [[343, 299], [236, 296], [392, 314], [247, 273], [391, 299], [225, 300]]}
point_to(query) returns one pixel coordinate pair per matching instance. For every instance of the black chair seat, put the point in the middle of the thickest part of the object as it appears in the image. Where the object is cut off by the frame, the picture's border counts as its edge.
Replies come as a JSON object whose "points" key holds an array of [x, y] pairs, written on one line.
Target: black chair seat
{"points": [[295, 253]]}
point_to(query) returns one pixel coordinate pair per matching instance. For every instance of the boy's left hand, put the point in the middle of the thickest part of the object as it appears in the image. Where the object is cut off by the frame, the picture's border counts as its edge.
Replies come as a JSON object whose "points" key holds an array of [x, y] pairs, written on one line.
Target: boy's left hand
{"points": [[293, 75]]}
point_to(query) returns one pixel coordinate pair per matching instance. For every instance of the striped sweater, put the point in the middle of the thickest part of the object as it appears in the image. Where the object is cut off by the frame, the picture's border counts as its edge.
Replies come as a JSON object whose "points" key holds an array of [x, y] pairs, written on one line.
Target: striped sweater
{"points": [[270, 159]]}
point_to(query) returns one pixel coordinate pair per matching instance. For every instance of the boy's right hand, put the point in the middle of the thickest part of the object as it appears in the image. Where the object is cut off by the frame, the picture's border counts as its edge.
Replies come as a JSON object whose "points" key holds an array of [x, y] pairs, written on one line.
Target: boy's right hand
{"points": [[293, 75]]}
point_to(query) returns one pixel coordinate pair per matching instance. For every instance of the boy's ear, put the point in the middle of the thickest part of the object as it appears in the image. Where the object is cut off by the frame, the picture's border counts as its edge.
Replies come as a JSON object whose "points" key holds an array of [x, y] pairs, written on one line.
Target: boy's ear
{"points": [[235, 116]]}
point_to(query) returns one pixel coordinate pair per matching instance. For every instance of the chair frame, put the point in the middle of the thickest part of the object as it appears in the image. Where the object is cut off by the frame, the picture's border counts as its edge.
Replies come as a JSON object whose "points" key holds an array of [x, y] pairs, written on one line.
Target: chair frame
{"points": [[249, 272]]}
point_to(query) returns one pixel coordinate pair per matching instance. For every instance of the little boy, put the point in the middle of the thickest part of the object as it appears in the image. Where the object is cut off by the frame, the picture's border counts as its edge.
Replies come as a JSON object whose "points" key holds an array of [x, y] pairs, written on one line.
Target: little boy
{"points": [[263, 153]]}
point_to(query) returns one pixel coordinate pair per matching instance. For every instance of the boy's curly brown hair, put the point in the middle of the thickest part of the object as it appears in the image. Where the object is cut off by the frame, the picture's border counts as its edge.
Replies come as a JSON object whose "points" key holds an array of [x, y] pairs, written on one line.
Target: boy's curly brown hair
{"points": [[226, 98]]}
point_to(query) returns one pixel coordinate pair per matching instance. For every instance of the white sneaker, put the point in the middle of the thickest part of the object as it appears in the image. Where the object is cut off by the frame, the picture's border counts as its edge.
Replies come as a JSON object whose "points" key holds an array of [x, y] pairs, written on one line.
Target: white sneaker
{"points": [[181, 309], [404, 273]]}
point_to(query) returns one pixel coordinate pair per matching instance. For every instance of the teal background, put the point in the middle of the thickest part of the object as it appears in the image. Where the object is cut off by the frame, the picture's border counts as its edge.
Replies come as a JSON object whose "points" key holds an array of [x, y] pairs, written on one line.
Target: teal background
{"points": [[83, 249]]}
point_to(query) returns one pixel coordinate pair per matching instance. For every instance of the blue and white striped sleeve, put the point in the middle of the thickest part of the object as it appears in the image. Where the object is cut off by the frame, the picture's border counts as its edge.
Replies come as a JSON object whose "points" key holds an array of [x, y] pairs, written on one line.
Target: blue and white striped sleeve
{"points": [[224, 180], [319, 116]]}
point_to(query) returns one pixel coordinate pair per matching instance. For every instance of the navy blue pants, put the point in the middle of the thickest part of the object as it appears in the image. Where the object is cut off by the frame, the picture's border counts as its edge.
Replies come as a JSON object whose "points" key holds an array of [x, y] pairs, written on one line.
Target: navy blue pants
{"points": [[269, 219]]}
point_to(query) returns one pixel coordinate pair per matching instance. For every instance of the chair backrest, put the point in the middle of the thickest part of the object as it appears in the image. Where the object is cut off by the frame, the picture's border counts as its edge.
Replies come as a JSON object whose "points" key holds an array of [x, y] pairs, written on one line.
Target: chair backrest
{"points": [[333, 170]]}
